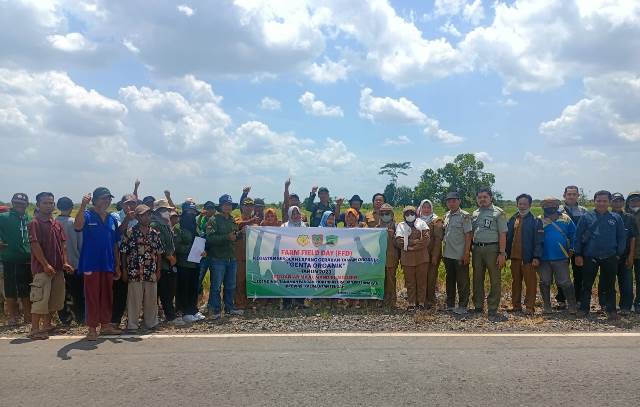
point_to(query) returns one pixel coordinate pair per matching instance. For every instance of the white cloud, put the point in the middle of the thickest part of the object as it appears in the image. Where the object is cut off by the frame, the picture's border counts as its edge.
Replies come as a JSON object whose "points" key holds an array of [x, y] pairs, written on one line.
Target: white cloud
{"points": [[483, 156], [317, 107], [450, 29], [396, 141], [268, 103], [130, 46], [448, 7], [434, 132], [72, 42], [473, 12], [402, 110], [609, 115], [186, 10], [328, 71], [592, 154], [388, 109], [536, 44]]}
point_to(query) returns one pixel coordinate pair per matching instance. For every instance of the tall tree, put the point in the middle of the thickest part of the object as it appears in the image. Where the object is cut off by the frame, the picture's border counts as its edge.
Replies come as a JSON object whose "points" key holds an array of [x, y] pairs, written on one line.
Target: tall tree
{"points": [[465, 174], [404, 196], [394, 170], [390, 193]]}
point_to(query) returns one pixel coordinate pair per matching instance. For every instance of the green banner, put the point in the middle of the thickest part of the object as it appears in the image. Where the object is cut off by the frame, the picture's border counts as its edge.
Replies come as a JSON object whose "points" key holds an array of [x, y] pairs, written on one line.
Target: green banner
{"points": [[315, 262]]}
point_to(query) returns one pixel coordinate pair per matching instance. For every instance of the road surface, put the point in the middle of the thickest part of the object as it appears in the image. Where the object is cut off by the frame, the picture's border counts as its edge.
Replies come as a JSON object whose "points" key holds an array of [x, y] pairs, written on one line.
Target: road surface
{"points": [[338, 370]]}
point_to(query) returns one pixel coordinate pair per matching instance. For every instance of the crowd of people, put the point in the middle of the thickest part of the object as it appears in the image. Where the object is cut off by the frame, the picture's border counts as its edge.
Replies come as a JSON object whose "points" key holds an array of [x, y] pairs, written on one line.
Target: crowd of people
{"points": [[98, 266]]}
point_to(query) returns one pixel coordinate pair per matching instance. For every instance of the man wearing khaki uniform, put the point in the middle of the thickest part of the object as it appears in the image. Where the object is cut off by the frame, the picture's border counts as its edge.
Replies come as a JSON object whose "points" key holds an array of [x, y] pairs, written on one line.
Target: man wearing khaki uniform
{"points": [[456, 253], [489, 245]]}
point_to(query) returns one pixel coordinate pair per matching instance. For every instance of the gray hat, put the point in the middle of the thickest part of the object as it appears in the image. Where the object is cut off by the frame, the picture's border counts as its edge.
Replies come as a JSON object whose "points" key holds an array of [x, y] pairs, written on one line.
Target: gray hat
{"points": [[453, 195]]}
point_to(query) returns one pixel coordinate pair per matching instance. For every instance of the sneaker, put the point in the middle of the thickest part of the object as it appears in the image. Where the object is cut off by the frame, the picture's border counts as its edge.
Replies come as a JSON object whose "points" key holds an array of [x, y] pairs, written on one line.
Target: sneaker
{"points": [[460, 310], [189, 319], [177, 322], [215, 316], [238, 312], [199, 316]]}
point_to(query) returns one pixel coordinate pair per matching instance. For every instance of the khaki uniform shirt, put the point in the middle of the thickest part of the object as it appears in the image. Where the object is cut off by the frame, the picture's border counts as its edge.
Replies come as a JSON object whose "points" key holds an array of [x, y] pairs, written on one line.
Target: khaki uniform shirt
{"points": [[456, 225], [488, 223]]}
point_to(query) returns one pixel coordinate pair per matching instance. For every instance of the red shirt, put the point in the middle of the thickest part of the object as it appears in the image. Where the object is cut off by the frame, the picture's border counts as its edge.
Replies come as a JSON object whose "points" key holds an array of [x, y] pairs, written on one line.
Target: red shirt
{"points": [[49, 233]]}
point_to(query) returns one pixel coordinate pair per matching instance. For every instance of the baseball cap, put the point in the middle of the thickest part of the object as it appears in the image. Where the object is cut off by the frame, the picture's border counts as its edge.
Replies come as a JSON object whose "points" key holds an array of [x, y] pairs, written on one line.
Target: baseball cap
{"points": [[189, 205], [355, 198], [259, 202], [20, 197], [129, 198], [633, 195], [323, 189], [64, 204], [209, 205], [452, 195], [100, 192]]}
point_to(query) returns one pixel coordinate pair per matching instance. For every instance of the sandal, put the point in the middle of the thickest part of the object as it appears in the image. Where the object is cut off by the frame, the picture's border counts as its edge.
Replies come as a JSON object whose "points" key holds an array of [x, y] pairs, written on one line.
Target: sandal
{"points": [[92, 336], [110, 331]]}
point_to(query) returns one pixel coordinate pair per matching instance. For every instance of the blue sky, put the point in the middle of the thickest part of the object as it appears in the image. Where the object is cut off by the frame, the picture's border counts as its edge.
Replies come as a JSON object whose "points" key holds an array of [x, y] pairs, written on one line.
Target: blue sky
{"points": [[204, 97]]}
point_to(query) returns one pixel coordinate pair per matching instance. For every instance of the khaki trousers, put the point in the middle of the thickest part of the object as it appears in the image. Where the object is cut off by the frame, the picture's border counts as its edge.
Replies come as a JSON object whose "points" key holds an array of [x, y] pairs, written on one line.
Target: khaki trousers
{"points": [[390, 286], [432, 283], [142, 296], [415, 279], [526, 272], [484, 259]]}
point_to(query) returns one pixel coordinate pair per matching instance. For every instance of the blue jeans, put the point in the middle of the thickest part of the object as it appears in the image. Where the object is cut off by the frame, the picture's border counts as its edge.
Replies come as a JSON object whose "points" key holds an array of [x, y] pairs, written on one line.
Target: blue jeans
{"points": [[223, 272]]}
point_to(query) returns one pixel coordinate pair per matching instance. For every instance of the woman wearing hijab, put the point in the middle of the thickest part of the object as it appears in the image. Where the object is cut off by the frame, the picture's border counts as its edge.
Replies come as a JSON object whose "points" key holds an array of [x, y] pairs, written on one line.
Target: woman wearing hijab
{"points": [[351, 219], [295, 218], [436, 227], [295, 221], [270, 218], [328, 220], [412, 237], [187, 282]]}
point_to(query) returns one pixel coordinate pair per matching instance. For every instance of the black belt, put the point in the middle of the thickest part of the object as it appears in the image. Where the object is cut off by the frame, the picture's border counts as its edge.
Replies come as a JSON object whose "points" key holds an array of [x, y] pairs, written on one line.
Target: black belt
{"points": [[485, 244]]}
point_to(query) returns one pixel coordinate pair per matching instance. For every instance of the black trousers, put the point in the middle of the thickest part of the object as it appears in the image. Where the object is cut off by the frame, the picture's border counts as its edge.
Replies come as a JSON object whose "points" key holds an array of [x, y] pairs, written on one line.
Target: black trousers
{"points": [[74, 299], [167, 292], [119, 301], [187, 290], [608, 268]]}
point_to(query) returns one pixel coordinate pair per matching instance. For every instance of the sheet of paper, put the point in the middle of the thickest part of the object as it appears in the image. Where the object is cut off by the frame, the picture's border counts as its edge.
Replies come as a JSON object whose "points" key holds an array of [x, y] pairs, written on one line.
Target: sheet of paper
{"points": [[196, 250]]}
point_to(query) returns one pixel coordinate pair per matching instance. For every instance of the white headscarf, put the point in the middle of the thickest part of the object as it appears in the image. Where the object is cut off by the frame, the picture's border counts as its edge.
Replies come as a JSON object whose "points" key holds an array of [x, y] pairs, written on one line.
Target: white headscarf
{"points": [[427, 218], [404, 230], [292, 224]]}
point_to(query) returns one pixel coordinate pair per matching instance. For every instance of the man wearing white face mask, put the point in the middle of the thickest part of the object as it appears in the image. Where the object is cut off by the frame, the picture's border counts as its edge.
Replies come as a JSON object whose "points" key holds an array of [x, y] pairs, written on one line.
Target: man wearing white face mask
{"points": [[633, 207], [524, 248]]}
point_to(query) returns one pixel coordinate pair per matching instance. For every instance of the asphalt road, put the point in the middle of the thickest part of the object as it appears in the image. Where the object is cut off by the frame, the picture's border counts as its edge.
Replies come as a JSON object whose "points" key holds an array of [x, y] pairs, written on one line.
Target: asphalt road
{"points": [[333, 371]]}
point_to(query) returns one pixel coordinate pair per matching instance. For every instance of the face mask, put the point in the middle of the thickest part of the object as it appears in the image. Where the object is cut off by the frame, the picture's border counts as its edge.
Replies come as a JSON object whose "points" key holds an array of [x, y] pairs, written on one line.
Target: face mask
{"points": [[410, 218], [550, 211], [635, 210], [386, 218]]}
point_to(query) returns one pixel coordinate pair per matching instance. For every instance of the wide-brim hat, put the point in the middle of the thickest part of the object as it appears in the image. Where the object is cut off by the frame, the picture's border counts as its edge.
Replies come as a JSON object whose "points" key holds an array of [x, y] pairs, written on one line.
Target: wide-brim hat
{"points": [[226, 199], [356, 198], [550, 202], [162, 204]]}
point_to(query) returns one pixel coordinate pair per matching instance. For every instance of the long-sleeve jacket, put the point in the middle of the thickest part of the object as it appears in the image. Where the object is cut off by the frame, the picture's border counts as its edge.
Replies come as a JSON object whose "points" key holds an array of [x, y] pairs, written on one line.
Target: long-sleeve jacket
{"points": [[416, 252], [218, 244], [531, 238], [600, 235]]}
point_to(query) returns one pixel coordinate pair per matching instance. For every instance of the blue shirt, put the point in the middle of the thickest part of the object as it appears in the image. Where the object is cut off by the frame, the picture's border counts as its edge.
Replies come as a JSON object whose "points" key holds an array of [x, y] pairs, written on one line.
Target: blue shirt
{"points": [[600, 235], [98, 241], [557, 245]]}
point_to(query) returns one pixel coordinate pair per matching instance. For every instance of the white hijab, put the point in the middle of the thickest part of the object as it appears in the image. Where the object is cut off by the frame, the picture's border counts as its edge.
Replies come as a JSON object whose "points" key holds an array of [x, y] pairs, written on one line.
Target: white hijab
{"points": [[427, 218], [404, 230], [290, 223]]}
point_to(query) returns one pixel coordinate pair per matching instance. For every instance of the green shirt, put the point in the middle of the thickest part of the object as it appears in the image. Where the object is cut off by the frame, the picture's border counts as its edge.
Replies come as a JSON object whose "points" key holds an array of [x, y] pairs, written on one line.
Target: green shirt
{"points": [[166, 237], [183, 242], [14, 233], [456, 225], [218, 244], [488, 223]]}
